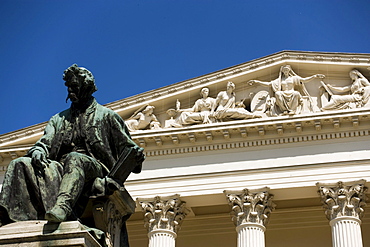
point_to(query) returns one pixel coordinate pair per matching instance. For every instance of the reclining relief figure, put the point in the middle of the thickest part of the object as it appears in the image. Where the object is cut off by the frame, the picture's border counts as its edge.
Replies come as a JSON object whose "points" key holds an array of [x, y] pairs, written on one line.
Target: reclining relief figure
{"points": [[358, 97], [198, 114], [288, 90], [81, 144], [143, 119], [225, 107]]}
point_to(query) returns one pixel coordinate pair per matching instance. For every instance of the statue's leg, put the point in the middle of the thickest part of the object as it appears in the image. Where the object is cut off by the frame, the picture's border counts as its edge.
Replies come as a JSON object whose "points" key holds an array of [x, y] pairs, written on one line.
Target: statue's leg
{"points": [[21, 197], [280, 101], [79, 172]]}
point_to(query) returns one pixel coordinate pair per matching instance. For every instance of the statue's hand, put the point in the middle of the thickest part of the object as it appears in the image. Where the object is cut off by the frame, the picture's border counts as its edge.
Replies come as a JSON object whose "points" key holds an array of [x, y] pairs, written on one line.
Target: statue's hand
{"points": [[321, 76], [38, 159], [251, 82]]}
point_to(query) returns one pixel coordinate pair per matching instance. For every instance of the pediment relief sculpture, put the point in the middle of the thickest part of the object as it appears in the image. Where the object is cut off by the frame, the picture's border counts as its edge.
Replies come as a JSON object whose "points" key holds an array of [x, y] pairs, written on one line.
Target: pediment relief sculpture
{"points": [[143, 119], [359, 93], [288, 95], [198, 114], [226, 107]]}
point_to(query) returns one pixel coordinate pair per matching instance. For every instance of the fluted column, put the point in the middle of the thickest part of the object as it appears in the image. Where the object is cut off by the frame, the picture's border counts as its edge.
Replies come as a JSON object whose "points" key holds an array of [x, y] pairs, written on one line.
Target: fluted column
{"points": [[343, 204], [250, 213], [163, 217]]}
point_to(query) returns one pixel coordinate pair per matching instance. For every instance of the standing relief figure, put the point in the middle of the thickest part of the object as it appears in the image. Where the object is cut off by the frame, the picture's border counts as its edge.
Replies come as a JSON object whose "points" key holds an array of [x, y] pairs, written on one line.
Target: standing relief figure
{"points": [[225, 107], [288, 92], [143, 119], [358, 97], [198, 114]]}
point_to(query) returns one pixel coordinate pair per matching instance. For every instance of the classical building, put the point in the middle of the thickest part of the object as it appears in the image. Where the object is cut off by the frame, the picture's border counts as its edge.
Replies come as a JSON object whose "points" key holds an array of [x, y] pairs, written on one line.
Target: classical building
{"points": [[272, 152]]}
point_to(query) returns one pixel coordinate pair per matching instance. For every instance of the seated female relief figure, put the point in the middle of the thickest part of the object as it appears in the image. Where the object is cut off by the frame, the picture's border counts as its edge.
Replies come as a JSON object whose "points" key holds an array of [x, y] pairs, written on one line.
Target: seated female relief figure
{"points": [[143, 119], [288, 91], [198, 114], [225, 107], [358, 96]]}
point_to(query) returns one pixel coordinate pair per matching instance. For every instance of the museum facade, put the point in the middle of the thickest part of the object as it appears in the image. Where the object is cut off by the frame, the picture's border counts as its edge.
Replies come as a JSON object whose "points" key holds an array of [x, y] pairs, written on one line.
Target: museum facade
{"points": [[272, 152]]}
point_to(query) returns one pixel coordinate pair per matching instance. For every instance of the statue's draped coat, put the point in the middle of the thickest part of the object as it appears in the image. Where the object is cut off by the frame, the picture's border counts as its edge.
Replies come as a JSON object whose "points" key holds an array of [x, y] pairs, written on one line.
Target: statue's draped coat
{"points": [[29, 192]]}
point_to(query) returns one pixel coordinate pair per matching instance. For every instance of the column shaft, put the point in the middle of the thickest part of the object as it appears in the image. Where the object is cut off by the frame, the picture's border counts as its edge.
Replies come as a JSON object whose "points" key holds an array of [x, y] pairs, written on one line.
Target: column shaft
{"points": [[346, 232], [162, 238], [251, 235]]}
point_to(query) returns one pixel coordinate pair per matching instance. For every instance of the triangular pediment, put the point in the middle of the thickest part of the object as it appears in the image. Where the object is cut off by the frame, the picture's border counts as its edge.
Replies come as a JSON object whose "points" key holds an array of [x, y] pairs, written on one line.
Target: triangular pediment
{"points": [[335, 67]]}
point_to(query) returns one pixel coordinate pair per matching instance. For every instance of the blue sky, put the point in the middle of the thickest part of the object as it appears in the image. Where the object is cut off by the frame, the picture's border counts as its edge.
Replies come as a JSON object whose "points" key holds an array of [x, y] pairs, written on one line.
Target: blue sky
{"points": [[133, 46]]}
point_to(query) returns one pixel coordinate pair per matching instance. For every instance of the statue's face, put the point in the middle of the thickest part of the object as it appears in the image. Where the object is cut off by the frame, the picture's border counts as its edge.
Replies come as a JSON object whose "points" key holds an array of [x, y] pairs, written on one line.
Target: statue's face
{"points": [[205, 92], [73, 91], [286, 71], [352, 75], [230, 86]]}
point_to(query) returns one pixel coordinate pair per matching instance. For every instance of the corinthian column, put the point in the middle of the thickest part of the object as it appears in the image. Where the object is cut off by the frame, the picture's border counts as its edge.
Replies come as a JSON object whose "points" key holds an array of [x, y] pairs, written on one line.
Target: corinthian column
{"points": [[250, 213], [163, 217], [343, 204]]}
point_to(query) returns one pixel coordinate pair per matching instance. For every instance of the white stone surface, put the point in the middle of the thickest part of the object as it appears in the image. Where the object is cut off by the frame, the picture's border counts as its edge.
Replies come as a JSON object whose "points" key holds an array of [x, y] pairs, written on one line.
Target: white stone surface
{"points": [[40, 233]]}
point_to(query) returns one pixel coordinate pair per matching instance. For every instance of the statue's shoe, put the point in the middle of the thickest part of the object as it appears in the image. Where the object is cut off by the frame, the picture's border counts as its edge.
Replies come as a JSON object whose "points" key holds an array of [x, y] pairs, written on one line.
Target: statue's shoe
{"points": [[56, 214]]}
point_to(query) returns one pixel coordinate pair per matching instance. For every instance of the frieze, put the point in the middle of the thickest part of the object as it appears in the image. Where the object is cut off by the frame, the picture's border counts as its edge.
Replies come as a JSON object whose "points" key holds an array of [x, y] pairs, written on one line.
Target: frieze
{"points": [[255, 143]]}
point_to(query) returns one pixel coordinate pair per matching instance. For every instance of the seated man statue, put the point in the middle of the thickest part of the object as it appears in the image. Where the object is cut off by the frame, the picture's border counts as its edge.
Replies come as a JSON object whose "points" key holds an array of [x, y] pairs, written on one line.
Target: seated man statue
{"points": [[80, 145]]}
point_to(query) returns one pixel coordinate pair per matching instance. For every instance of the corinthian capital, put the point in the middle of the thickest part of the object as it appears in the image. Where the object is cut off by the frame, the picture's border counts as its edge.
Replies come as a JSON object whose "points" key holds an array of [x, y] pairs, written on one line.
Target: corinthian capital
{"points": [[343, 199], [163, 213], [250, 206]]}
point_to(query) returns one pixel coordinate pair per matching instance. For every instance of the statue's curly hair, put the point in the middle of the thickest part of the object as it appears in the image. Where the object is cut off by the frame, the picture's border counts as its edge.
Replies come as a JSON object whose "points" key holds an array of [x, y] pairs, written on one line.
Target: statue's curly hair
{"points": [[82, 76]]}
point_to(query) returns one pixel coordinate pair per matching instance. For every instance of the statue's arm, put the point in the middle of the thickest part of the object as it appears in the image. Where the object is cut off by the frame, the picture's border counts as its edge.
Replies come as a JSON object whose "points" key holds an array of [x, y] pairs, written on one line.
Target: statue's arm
{"points": [[120, 136], [310, 78], [41, 150], [263, 83], [365, 82], [340, 89], [216, 102]]}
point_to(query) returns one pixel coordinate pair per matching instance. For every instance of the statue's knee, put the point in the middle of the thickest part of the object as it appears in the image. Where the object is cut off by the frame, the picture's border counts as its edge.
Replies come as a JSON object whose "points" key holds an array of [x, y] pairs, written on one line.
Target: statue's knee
{"points": [[73, 159], [23, 161], [73, 156]]}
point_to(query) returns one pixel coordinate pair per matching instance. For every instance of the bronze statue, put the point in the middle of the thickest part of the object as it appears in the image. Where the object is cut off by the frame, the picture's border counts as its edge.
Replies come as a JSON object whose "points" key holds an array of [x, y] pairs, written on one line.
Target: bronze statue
{"points": [[80, 146]]}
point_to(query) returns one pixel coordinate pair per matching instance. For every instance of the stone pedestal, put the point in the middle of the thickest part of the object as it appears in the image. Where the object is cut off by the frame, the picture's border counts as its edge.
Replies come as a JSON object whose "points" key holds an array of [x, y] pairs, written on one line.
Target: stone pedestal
{"points": [[40, 233], [110, 215], [344, 207], [250, 213], [163, 217]]}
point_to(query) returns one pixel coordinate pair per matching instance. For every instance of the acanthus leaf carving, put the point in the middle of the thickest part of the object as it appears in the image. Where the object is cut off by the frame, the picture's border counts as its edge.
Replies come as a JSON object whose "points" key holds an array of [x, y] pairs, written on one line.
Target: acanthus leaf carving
{"points": [[343, 199], [250, 206], [163, 213]]}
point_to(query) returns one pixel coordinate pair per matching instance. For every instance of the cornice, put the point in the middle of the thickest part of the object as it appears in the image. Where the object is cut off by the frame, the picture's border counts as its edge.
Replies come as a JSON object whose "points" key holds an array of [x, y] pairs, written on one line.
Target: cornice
{"points": [[28, 132]]}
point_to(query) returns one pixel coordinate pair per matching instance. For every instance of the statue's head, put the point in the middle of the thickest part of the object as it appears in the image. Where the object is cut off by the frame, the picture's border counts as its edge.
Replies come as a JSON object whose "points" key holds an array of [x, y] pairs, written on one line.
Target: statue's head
{"points": [[204, 92], [230, 86], [149, 109], [80, 83], [286, 69], [354, 74]]}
